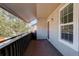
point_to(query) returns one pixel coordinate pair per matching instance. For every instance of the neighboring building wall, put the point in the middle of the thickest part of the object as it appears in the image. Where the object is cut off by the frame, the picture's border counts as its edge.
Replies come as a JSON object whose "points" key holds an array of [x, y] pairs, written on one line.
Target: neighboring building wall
{"points": [[54, 32], [42, 29]]}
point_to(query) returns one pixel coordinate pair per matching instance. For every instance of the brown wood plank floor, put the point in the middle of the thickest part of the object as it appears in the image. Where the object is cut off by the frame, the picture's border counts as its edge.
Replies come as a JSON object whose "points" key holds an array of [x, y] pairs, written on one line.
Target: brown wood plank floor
{"points": [[41, 48]]}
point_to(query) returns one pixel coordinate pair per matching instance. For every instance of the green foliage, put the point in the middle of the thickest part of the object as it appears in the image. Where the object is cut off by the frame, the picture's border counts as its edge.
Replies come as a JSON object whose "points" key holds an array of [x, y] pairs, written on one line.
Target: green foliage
{"points": [[11, 25]]}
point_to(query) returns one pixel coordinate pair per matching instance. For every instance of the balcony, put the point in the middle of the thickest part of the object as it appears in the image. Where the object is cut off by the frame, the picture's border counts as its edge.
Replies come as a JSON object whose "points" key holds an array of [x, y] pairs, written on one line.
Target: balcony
{"points": [[34, 29]]}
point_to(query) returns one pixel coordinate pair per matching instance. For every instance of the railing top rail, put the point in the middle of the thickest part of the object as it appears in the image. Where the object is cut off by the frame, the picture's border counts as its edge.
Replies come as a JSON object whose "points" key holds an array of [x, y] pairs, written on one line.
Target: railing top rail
{"points": [[11, 40]]}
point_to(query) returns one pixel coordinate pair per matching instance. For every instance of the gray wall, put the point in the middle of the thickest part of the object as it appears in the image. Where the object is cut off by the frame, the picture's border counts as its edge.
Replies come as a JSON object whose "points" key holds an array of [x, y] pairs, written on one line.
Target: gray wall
{"points": [[42, 29]]}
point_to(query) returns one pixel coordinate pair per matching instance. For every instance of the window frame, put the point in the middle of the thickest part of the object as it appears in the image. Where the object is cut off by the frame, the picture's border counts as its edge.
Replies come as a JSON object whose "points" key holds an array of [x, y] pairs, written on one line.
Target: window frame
{"points": [[63, 24], [64, 41]]}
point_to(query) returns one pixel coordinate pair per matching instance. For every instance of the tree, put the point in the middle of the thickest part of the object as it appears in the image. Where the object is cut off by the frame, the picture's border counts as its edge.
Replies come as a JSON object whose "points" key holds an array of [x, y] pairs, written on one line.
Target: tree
{"points": [[11, 25]]}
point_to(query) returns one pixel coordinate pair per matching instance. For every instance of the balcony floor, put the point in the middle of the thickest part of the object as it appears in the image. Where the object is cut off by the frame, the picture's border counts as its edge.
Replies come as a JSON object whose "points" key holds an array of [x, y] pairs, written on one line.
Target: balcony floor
{"points": [[41, 48]]}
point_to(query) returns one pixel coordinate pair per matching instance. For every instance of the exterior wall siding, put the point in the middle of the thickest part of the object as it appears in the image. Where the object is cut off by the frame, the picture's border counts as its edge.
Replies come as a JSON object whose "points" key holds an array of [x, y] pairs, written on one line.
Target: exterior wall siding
{"points": [[54, 33]]}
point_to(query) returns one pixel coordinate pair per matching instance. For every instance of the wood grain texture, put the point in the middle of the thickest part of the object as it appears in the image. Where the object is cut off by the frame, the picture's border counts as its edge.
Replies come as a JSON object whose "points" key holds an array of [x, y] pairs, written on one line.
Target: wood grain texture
{"points": [[41, 48]]}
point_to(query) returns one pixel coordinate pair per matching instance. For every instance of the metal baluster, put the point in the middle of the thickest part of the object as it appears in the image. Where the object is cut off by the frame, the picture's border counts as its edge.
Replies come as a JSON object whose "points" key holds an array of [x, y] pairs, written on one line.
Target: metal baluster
{"points": [[17, 48], [11, 50], [6, 51], [14, 48], [0, 53]]}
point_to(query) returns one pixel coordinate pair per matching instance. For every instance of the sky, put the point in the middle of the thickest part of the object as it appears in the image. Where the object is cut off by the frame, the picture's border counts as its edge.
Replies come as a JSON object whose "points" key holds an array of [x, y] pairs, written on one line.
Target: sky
{"points": [[33, 22]]}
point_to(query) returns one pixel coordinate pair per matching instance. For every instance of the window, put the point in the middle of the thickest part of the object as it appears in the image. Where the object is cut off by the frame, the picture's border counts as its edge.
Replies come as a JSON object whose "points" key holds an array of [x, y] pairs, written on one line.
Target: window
{"points": [[66, 23], [11, 25]]}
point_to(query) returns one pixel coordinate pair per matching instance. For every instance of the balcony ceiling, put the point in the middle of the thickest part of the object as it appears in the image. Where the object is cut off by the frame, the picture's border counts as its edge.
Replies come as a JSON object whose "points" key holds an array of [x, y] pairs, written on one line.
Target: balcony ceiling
{"points": [[45, 9], [30, 11]]}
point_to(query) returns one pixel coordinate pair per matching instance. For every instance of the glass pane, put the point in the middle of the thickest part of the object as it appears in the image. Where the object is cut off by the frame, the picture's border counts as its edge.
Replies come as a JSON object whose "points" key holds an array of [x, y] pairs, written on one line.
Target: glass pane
{"points": [[65, 19], [70, 37], [70, 8], [70, 17], [65, 29], [66, 36], [62, 32], [62, 35], [62, 28], [65, 10], [70, 30]]}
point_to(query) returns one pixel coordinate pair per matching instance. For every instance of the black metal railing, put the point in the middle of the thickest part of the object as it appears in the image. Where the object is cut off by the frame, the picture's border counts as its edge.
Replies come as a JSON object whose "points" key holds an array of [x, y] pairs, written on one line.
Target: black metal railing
{"points": [[16, 48]]}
